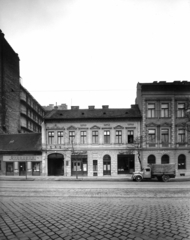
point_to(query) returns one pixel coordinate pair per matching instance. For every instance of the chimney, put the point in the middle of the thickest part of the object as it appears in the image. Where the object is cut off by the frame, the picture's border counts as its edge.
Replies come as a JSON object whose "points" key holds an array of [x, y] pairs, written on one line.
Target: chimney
{"points": [[91, 107], [74, 107], [105, 106]]}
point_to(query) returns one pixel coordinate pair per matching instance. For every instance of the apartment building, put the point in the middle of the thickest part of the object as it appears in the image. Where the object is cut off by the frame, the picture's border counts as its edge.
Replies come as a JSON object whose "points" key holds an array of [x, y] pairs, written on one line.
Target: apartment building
{"points": [[19, 111], [163, 106], [90, 142]]}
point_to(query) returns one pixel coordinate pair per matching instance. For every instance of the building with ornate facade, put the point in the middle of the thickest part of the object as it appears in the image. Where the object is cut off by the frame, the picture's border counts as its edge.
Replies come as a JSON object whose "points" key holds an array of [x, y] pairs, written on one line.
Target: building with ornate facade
{"points": [[90, 142], [163, 106]]}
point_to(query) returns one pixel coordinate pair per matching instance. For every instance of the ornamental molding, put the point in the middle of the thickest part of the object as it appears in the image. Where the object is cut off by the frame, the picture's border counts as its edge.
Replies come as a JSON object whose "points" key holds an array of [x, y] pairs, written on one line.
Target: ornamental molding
{"points": [[166, 124], [118, 127], [95, 127], [71, 128], [151, 124]]}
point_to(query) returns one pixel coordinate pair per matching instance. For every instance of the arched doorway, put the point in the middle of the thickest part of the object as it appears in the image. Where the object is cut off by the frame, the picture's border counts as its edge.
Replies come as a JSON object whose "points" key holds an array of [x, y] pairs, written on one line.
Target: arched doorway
{"points": [[55, 164]]}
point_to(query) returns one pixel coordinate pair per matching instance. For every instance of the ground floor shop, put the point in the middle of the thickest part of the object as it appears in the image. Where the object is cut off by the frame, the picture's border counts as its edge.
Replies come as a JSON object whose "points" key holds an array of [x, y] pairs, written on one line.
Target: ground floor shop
{"points": [[21, 165], [89, 163]]}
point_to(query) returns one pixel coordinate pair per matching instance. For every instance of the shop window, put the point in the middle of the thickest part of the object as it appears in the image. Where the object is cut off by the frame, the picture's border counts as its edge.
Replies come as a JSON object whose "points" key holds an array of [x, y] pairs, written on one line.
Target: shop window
{"points": [[94, 136], [36, 168], [181, 162], [60, 137], [151, 110], [118, 136], [151, 159], [164, 110], [50, 137], [106, 136], [181, 110], [83, 138], [130, 136], [165, 159], [9, 168]]}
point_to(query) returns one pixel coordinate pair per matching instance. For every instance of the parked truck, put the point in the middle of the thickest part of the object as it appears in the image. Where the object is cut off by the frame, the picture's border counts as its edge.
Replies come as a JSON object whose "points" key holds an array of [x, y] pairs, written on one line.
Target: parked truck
{"points": [[163, 172]]}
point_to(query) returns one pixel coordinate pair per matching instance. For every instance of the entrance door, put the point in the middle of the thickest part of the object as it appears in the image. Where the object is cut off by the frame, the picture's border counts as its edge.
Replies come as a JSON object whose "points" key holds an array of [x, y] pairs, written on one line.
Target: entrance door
{"points": [[79, 165], [9, 168], [55, 164], [107, 165], [22, 168]]}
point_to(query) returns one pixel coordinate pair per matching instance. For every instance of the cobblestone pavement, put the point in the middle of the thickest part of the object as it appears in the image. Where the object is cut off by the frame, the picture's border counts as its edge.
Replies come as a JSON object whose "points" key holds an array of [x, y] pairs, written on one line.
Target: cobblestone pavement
{"points": [[89, 214]]}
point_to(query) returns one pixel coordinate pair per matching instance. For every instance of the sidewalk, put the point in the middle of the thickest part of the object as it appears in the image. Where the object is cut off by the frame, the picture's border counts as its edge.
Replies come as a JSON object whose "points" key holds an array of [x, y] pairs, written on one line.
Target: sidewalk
{"points": [[80, 178]]}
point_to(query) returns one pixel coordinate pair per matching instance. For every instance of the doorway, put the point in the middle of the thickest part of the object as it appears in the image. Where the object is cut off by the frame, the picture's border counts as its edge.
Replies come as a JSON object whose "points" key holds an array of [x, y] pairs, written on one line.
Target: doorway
{"points": [[107, 165], [79, 165], [55, 164], [22, 168]]}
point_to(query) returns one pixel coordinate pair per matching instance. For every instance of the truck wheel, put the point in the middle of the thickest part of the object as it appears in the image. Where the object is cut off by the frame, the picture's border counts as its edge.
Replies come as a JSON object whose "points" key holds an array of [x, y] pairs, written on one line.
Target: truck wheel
{"points": [[165, 178], [138, 178]]}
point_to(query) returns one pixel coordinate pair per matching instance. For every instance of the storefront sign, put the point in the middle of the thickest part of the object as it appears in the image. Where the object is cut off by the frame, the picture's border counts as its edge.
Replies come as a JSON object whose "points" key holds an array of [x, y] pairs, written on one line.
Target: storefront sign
{"points": [[19, 158]]}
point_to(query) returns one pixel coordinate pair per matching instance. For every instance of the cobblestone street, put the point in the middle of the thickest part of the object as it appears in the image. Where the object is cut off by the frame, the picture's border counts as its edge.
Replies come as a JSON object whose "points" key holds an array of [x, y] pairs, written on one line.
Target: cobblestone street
{"points": [[88, 214]]}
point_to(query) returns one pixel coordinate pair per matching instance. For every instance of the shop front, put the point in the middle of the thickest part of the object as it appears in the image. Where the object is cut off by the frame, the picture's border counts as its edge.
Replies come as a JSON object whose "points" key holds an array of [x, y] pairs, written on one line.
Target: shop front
{"points": [[79, 165], [125, 163], [22, 165]]}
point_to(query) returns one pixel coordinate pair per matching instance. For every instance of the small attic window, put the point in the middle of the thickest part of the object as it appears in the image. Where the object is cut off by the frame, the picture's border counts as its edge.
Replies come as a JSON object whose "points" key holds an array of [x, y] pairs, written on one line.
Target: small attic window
{"points": [[12, 141], [126, 112], [104, 113], [82, 113], [61, 114]]}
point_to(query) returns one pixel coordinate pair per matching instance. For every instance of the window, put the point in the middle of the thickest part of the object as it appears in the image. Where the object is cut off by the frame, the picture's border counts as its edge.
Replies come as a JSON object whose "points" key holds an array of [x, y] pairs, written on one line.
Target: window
{"points": [[165, 135], [130, 134], [83, 137], [118, 136], [152, 135], [151, 159], [106, 136], [151, 110], [164, 110], [165, 159], [50, 137], [94, 136], [181, 162], [60, 137], [71, 136], [181, 110], [181, 135]]}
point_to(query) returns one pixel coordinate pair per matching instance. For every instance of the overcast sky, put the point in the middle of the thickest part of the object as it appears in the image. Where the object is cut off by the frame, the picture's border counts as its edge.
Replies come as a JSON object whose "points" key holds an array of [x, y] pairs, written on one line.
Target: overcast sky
{"points": [[94, 52]]}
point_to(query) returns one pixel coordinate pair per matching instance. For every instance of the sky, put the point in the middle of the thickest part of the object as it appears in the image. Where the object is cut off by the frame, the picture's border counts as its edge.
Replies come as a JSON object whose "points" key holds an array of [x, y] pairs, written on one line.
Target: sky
{"points": [[94, 52]]}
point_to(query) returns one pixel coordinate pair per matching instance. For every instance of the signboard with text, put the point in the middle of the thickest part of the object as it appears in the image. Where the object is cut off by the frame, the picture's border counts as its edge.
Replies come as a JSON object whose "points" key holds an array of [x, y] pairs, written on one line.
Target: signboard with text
{"points": [[20, 158]]}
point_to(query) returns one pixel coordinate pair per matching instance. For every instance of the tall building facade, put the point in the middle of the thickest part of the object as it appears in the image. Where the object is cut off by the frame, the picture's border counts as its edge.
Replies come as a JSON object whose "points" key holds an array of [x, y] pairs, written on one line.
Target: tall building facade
{"points": [[90, 142], [9, 88], [19, 111], [163, 107]]}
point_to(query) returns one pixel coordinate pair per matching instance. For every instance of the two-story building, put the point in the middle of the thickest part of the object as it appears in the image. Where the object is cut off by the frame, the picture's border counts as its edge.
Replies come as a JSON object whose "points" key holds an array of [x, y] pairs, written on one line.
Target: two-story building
{"points": [[163, 107], [90, 142]]}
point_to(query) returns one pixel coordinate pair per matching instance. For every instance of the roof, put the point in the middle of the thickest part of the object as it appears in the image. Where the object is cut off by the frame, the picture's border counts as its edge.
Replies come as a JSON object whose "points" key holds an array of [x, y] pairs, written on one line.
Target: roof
{"points": [[92, 114], [23, 142], [175, 86]]}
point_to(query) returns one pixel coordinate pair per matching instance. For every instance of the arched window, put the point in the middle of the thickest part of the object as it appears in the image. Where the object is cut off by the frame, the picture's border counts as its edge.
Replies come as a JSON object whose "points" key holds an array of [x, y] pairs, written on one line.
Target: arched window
{"points": [[151, 159], [107, 165], [182, 162], [165, 159]]}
